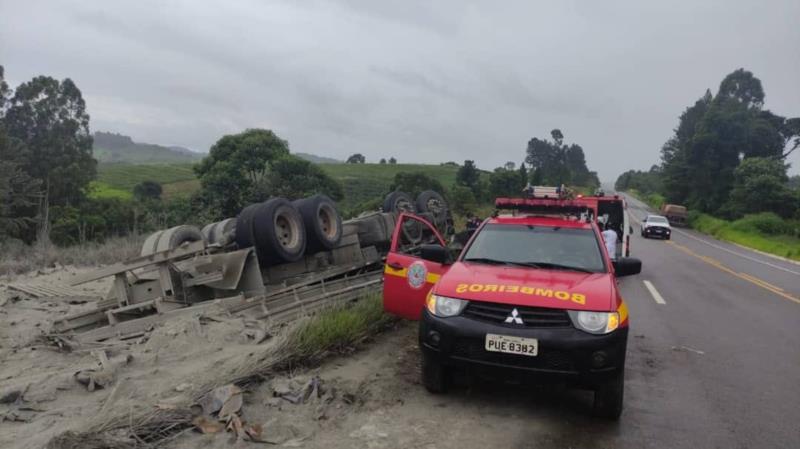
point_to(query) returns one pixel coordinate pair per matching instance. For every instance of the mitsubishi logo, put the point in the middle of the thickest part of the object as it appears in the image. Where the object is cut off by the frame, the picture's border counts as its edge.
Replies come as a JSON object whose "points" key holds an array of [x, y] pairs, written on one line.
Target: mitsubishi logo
{"points": [[514, 317]]}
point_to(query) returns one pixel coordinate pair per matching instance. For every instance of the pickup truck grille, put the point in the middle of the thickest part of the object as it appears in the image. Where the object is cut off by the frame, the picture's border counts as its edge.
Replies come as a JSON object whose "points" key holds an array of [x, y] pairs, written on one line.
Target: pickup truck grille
{"points": [[531, 316]]}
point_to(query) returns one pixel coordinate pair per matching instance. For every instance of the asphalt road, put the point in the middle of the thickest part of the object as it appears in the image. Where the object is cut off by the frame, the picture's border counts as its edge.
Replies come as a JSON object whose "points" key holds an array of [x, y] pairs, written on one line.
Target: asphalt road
{"points": [[714, 358]]}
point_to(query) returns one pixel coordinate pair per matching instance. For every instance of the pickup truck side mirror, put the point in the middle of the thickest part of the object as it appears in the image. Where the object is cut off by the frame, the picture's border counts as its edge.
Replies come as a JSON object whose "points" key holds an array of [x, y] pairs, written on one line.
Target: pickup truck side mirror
{"points": [[435, 253], [626, 266], [630, 229]]}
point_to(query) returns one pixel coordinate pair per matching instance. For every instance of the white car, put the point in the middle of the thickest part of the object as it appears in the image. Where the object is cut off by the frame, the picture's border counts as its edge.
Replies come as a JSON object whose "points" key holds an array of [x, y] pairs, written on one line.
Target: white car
{"points": [[656, 226]]}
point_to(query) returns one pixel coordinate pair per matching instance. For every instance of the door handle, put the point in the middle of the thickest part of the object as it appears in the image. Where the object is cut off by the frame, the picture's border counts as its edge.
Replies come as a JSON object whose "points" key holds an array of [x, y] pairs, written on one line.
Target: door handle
{"points": [[395, 266]]}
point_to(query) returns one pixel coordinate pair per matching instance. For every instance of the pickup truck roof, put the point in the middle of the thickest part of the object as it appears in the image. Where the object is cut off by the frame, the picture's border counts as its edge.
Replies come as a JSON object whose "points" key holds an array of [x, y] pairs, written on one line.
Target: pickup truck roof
{"points": [[540, 220]]}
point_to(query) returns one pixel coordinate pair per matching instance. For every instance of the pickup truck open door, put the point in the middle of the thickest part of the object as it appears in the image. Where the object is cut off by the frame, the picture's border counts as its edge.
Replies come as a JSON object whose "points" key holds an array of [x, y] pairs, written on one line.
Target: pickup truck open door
{"points": [[407, 278]]}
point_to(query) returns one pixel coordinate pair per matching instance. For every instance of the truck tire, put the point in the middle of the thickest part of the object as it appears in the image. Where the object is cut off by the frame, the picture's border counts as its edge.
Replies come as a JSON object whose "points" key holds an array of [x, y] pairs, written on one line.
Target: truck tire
{"points": [[398, 202], [223, 232], [244, 227], [322, 222], [279, 232], [150, 243], [608, 398], [433, 203], [178, 235], [434, 375]]}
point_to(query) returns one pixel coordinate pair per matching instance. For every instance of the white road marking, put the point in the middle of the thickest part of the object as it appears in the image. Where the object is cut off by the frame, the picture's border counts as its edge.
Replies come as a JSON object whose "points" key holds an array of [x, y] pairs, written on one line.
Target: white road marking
{"points": [[736, 253], [656, 295]]}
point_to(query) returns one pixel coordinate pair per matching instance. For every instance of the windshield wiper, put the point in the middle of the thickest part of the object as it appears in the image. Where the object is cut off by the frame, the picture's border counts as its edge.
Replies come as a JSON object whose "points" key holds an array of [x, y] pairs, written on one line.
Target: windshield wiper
{"points": [[557, 266], [487, 261]]}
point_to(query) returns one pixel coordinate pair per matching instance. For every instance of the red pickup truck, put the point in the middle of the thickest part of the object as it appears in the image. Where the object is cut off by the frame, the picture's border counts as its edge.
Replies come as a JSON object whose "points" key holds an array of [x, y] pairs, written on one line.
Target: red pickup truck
{"points": [[532, 296]]}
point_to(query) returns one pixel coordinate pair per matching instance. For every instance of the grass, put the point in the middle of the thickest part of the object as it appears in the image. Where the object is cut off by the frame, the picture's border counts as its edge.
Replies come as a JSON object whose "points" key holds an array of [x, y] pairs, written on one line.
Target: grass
{"points": [[17, 257], [100, 190], [127, 176], [745, 233], [653, 200], [340, 327], [361, 182]]}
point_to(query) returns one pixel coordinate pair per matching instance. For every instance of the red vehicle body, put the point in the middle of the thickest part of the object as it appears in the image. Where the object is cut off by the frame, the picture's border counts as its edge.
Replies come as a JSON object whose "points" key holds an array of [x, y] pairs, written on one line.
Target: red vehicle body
{"points": [[514, 319]]}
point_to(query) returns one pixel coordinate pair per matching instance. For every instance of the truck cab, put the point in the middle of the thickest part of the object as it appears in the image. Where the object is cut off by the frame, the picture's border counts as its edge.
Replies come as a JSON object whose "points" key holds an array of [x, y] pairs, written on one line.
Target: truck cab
{"points": [[532, 296]]}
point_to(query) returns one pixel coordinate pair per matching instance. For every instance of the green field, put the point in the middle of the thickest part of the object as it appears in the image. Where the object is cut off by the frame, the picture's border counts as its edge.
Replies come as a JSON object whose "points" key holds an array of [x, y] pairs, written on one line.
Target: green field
{"points": [[361, 182]]}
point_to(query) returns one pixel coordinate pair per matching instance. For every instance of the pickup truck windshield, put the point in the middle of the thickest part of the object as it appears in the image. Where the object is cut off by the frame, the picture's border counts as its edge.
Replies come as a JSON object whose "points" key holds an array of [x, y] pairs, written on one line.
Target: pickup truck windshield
{"points": [[657, 220], [537, 246]]}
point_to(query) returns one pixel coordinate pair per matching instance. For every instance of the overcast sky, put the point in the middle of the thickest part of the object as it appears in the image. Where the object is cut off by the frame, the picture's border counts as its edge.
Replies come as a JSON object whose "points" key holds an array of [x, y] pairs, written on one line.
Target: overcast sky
{"points": [[422, 81]]}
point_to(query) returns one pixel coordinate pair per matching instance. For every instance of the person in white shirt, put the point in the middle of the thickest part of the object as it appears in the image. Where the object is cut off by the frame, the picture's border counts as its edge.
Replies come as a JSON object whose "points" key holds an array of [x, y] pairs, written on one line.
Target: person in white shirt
{"points": [[610, 238]]}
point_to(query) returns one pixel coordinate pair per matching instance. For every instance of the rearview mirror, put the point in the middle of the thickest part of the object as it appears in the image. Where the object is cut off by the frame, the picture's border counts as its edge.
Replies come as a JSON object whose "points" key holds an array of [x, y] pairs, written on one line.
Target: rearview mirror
{"points": [[434, 253], [626, 266]]}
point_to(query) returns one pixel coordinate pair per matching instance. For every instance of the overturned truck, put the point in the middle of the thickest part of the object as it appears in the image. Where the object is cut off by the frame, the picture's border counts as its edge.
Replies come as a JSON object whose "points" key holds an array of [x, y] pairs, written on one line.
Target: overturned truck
{"points": [[275, 261]]}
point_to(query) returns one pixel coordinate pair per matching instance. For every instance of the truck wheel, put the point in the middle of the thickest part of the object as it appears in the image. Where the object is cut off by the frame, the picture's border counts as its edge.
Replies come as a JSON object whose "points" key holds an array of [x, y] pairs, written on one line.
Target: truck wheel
{"points": [[433, 203], [225, 231], [322, 222], [178, 235], [608, 398], [244, 226], [434, 375], [279, 232], [398, 202], [150, 243]]}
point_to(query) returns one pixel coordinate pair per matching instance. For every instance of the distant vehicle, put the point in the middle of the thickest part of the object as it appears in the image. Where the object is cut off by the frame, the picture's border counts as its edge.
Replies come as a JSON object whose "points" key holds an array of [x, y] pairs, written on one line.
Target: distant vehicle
{"points": [[656, 226], [675, 213]]}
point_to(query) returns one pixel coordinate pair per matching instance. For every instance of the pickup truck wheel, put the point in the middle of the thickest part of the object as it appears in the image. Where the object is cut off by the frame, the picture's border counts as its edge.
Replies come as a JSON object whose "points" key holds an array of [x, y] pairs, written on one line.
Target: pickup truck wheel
{"points": [[434, 375], [608, 398]]}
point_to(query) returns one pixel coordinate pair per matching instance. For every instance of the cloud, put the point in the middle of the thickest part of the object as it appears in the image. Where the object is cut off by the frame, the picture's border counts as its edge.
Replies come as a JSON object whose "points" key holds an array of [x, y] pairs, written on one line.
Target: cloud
{"points": [[418, 80]]}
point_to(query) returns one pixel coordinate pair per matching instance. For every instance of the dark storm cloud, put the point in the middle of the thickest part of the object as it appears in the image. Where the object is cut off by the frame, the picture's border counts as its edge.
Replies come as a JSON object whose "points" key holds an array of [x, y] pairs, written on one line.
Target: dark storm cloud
{"points": [[418, 80]]}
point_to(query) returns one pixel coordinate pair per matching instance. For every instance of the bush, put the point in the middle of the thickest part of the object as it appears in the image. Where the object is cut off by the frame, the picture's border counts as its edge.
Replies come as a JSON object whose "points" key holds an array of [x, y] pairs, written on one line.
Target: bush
{"points": [[765, 223]]}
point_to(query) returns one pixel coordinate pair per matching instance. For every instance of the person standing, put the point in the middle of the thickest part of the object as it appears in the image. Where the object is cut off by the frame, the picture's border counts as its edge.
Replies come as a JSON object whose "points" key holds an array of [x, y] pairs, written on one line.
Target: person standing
{"points": [[610, 239]]}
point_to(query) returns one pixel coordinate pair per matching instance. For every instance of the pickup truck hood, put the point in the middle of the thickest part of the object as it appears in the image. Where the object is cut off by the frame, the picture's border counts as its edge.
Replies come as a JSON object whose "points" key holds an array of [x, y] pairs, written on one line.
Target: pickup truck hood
{"points": [[558, 289], [657, 225]]}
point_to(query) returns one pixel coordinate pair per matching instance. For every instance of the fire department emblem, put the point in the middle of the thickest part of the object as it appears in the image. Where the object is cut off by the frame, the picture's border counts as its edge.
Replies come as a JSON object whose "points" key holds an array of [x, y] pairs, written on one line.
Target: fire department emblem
{"points": [[417, 272]]}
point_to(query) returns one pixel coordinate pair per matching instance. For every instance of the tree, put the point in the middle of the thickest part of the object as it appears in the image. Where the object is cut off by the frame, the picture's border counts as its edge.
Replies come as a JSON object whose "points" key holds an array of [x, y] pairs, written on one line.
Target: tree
{"points": [[554, 163], [147, 190], [761, 185], [505, 183], [19, 193], [293, 178], [357, 158], [510, 165], [392, 160], [461, 200], [234, 166], [382, 161], [415, 183], [50, 118], [523, 172], [4, 92], [468, 176]]}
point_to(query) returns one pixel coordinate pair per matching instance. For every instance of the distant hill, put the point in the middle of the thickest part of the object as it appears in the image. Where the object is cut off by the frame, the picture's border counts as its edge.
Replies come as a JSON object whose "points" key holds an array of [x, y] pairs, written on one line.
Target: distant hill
{"points": [[317, 159], [117, 148], [361, 182]]}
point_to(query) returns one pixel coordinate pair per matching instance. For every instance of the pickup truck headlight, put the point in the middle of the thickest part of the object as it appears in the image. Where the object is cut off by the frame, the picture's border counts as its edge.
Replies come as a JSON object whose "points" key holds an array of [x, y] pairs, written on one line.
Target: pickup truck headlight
{"points": [[595, 322], [443, 306]]}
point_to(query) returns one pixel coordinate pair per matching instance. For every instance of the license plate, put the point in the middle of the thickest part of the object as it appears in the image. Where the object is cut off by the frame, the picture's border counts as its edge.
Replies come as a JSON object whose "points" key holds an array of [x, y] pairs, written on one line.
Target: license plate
{"points": [[512, 345]]}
